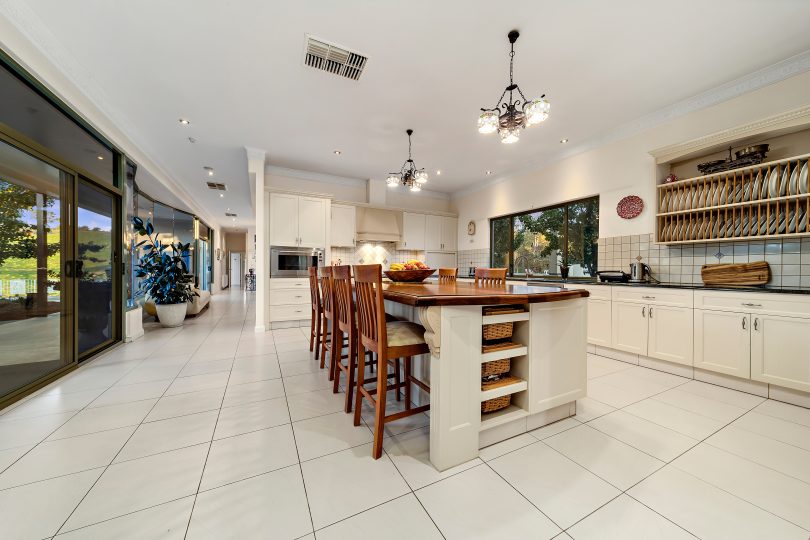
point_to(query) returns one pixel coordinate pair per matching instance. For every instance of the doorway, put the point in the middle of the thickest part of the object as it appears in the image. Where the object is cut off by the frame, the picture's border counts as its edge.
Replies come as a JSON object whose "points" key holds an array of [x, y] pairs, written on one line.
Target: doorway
{"points": [[236, 270]]}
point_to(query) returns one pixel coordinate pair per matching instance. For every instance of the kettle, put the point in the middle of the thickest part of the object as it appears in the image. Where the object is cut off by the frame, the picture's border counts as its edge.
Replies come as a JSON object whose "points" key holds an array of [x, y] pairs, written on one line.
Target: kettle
{"points": [[639, 272]]}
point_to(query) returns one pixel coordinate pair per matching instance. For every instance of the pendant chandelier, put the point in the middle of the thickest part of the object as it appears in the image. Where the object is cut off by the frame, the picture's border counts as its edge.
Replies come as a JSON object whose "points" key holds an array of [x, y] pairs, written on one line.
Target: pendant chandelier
{"points": [[517, 113], [408, 176]]}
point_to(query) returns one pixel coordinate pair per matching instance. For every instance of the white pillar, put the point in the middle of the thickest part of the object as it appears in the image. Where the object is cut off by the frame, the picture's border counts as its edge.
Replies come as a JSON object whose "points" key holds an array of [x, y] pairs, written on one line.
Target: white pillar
{"points": [[256, 159]]}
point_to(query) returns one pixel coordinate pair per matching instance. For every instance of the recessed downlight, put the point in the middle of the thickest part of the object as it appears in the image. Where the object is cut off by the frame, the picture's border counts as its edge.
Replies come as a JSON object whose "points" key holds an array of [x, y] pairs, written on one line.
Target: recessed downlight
{"points": [[337, 152], [438, 172], [489, 173], [221, 195], [184, 121], [563, 141], [100, 158], [209, 170]]}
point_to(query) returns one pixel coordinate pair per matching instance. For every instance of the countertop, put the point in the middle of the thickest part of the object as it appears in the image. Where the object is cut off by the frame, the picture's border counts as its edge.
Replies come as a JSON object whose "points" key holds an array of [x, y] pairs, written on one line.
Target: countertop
{"points": [[741, 288], [467, 294]]}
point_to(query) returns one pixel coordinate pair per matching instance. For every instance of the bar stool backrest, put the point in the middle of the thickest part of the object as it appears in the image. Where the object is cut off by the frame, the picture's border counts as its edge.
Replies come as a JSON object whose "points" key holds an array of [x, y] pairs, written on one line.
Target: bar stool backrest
{"points": [[327, 296], [370, 307], [448, 275], [344, 299], [314, 290], [490, 277]]}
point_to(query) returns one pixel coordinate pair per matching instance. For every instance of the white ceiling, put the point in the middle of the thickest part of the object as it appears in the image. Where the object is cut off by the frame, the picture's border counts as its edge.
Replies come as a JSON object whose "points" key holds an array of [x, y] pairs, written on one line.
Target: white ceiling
{"points": [[234, 68]]}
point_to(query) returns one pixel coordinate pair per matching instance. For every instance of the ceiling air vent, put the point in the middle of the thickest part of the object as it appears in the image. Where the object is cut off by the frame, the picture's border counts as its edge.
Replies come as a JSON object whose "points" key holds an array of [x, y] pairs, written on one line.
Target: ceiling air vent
{"points": [[336, 60], [217, 186], [230, 214]]}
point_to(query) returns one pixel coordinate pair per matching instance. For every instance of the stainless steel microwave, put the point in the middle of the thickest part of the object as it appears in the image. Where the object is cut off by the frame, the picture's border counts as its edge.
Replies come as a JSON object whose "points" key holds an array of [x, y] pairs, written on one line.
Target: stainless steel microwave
{"points": [[294, 261]]}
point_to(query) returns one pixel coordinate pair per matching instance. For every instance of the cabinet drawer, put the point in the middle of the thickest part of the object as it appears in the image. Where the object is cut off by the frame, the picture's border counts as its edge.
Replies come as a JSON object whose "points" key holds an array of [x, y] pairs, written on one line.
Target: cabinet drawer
{"points": [[280, 297], [653, 296], [289, 283], [289, 313], [600, 292], [791, 305]]}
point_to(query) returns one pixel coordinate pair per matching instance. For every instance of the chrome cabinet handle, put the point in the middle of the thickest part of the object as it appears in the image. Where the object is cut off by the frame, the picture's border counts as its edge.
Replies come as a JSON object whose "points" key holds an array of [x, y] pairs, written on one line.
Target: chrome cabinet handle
{"points": [[651, 312], [749, 304], [644, 311], [648, 297], [756, 324], [743, 322]]}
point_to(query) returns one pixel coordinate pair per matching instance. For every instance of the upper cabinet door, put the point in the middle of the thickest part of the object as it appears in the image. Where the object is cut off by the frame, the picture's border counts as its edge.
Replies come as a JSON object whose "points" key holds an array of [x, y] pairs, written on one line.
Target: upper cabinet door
{"points": [[723, 342], [629, 327], [433, 233], [343, 225], [413, 231], [283, 220], [312, 222], [449, 234], [670, 334], [780, 351]]}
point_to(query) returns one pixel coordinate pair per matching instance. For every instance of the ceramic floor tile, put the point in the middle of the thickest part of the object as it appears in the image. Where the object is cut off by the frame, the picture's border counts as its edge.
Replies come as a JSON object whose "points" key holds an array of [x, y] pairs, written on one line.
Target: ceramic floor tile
{"points": [[299, 355], [273, 504], [409, 423], [131, 392], [683, 421], [195, 383], [288, 346], [104, 418], [306, 382], [242, 456], [323, 435], [504, 447], [599, 366], [66, 456], [552, 429], [588, 409], [38, 510], [183, 404], [163, 522], [139, 484], [412, 522], [459, 510], [410, 453], [345, 483], [783, 411], [613, 396], [698, 404], [610, 459], [150, 372], [255, 371], [10, 455], [312, 404], [775, 428], [240, 394], [301, 366], [171, 434], [251, 417], [707, 511], [782, 457], [724, 395], [561, 489], [21, 431], [51, 404], [208, 366], [653, 439], [624, 518], [770, 490]]}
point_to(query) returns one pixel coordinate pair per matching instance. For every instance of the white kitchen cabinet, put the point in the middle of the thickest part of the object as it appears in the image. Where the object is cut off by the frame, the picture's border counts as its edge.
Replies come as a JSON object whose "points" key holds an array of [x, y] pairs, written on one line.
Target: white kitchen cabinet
{"points": [[297, 220], [780, 351], [723, 342], [413, 231], [449, 234], [343, 225], [433, 233], [599, 322], [670, 334], [283, 219], [629, 322]]}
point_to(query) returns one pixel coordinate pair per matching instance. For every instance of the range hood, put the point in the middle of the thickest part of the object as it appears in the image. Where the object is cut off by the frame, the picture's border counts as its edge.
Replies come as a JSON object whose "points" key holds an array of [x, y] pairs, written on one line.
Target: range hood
{"points": [[378, 225]]}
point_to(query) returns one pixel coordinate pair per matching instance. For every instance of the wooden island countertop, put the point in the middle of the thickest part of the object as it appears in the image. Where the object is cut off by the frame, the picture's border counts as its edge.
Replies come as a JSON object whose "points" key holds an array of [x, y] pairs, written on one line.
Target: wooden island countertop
{"points": [[467, 294]]}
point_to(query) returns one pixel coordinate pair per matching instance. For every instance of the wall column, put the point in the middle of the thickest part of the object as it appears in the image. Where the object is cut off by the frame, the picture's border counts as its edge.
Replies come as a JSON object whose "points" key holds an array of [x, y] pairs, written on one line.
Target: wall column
{"points": [[256, 159]]}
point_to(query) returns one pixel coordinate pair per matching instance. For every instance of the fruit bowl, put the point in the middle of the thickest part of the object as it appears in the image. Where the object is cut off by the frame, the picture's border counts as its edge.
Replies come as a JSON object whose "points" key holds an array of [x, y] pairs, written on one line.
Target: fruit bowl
{"points": [[409, 276]]}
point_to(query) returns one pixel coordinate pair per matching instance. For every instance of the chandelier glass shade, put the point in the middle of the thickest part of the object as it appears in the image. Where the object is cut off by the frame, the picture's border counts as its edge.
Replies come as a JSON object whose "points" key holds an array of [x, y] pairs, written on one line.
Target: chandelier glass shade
{"points": [[408, 176], [511, 115]]}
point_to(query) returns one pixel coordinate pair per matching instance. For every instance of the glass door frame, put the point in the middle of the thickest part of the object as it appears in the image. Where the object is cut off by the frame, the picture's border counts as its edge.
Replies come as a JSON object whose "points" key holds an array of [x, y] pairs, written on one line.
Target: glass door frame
{"points": [[69, 346]]}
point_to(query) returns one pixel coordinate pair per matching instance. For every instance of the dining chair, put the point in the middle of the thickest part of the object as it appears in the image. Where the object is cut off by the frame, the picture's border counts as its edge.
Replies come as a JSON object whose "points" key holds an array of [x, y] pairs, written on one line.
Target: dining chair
{"points": [[387, 340], [328, 333], [490, 277], [448, 275], [316, 322]]}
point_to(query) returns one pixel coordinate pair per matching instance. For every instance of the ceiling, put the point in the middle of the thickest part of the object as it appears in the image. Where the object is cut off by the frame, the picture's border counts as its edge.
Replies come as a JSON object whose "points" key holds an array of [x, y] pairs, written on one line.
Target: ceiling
{"points": [[234, 69]]}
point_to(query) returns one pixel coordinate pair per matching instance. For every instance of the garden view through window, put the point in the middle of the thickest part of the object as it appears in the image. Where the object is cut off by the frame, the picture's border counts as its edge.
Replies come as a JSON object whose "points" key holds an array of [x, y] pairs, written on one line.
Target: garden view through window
{"points": [[540, 242]]}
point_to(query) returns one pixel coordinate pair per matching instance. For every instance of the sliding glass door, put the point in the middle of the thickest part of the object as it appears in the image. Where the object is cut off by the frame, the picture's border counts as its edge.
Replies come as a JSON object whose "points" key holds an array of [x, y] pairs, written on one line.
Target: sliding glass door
{"points": [[35, 296]]}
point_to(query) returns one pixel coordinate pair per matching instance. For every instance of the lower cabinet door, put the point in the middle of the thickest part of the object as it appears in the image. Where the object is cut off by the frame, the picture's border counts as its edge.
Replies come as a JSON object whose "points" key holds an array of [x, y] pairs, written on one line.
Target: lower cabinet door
{"points": [[671, 335], [629, 332], [599, 322], [780, 351], [723, 342]]}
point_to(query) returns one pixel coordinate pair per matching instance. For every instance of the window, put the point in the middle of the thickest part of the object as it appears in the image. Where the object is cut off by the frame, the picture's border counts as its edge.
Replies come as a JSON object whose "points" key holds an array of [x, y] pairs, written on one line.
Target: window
{"points": [[538, 242]]}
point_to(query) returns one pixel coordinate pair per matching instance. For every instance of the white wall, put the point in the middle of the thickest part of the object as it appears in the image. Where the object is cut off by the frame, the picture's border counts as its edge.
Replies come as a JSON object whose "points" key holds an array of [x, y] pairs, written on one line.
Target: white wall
{"points": [[620, 168]]}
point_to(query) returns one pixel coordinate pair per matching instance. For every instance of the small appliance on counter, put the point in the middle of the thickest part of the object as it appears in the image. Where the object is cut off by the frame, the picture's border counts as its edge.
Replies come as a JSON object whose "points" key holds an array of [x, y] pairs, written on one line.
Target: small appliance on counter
{"points": [[294, 261], [639, 272], [613, 276], [471, 272]]}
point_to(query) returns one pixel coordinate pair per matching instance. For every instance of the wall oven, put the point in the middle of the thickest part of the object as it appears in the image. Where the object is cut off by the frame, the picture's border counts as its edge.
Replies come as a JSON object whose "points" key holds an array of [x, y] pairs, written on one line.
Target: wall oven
{"points": [[293, 261]]}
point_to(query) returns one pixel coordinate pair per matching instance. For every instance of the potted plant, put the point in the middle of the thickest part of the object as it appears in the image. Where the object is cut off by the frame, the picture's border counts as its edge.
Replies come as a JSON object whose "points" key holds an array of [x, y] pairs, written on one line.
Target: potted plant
{"points": [[164, 276]]}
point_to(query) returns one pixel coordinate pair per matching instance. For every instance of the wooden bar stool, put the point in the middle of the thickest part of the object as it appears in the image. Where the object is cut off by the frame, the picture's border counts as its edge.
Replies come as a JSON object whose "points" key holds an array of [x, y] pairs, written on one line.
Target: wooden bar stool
{"points": [[490, 277], [327, 314], [316, 323], [388, 340], [448, 275]]}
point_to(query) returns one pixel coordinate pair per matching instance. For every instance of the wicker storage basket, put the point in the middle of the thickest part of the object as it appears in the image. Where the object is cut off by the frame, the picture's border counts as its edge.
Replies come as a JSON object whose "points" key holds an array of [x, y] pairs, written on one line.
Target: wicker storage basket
{"points": [[498, 330], [496, 404], [496, 367]]}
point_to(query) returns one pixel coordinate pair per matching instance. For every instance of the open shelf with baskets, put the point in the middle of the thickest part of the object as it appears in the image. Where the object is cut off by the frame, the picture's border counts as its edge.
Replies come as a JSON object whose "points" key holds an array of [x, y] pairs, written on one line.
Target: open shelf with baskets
{"points": [[504, 364], [769, 200]]}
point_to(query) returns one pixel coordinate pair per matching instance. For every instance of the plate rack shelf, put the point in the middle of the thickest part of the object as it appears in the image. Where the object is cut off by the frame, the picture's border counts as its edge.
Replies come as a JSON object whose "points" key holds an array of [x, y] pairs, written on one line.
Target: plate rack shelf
{"points": [[769, 200]]}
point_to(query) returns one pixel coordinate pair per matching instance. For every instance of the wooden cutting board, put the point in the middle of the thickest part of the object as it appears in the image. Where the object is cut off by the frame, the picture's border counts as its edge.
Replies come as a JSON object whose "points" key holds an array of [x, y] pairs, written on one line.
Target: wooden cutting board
{"points": [[755, 273]]}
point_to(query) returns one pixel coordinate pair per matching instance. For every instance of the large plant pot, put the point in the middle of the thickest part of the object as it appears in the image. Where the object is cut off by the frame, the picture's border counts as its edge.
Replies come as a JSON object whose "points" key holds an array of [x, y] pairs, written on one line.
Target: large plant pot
{"points": [[171, 315]]}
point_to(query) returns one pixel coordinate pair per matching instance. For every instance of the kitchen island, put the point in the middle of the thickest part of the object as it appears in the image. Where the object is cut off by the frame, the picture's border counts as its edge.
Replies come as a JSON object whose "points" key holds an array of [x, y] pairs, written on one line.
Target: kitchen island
{"points": [[547, 360]]}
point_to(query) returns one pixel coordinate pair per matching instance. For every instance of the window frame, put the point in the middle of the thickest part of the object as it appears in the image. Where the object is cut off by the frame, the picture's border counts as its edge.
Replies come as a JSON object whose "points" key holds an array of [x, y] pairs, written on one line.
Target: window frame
{"points": [[510, 271]]}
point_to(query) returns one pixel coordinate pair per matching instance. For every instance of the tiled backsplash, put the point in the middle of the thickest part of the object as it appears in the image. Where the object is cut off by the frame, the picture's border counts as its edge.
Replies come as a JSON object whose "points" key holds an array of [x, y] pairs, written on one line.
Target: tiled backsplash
{"points": [[789, 259], [478, 258], [384, 253]]}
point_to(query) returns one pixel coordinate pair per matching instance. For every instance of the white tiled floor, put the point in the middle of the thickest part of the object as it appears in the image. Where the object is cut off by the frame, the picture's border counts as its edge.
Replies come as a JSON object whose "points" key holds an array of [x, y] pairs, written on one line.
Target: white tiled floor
{"points": [[215, 431]]}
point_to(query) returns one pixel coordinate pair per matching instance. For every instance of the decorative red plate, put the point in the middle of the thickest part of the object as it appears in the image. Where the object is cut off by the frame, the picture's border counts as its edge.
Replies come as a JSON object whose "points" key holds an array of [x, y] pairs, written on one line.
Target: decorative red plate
{"points": [[630, 207]]}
